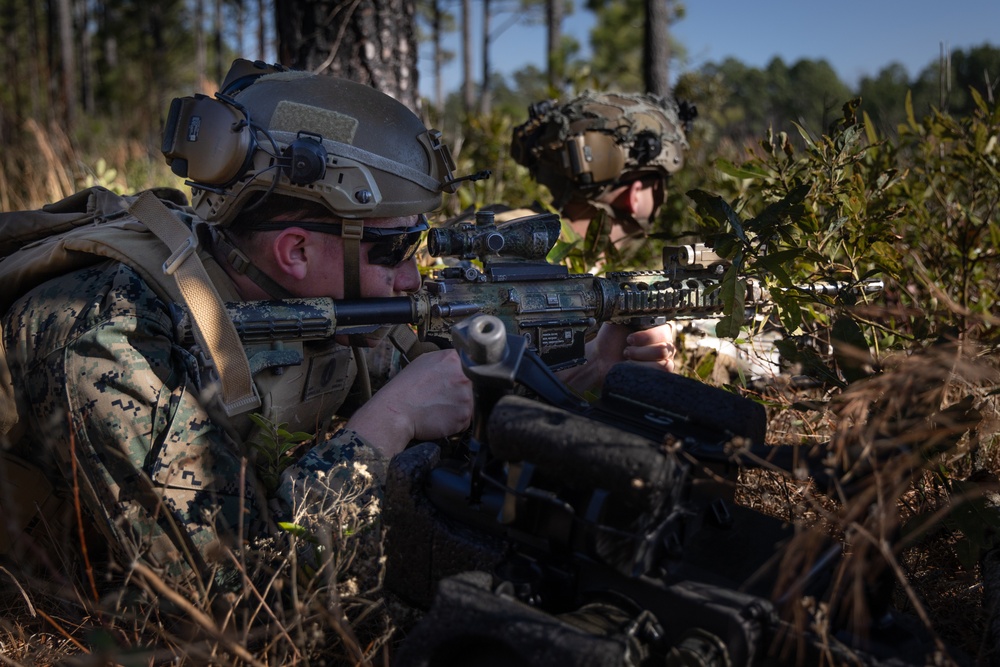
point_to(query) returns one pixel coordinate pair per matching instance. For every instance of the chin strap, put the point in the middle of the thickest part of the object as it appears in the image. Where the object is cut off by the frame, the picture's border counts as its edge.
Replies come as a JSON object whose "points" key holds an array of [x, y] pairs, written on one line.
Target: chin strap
{"points": [[240, 263], [351, 231]]}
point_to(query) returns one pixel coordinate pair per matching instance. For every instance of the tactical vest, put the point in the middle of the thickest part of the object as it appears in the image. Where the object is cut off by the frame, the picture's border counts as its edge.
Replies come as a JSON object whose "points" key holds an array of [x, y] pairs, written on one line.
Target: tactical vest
{"points": [[291, 383]]}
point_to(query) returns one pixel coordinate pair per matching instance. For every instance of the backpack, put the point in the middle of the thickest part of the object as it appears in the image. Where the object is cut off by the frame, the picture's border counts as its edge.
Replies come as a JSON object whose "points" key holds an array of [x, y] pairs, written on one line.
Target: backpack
{"points": [[85, 228], [94, 225]]}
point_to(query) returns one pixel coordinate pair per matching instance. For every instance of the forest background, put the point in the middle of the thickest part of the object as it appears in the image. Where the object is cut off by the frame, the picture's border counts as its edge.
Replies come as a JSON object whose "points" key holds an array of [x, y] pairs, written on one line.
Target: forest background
{"points": [[795, 175], [96, 77]]}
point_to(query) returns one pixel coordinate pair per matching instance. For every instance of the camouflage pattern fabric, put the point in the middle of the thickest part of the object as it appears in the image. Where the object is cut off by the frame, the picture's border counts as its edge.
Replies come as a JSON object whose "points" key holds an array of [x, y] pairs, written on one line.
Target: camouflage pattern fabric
{"points": [[102, 380]]}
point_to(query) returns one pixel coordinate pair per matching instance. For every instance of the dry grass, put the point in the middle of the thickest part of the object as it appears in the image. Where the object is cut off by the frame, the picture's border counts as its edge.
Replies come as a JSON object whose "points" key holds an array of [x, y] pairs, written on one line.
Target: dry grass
{"points": [[913, 449], [289, 613], [47, 167], [294, 602]]}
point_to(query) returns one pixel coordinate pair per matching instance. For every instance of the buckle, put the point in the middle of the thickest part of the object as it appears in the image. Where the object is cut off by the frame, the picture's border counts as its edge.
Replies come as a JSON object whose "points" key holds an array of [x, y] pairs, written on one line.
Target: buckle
{"points": [[238, 260], [352, 229], [179, 256]]}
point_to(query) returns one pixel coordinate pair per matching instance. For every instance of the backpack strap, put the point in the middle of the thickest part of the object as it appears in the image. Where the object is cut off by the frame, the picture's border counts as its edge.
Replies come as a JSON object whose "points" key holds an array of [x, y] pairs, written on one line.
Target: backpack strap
{"points": [[213, 330]]}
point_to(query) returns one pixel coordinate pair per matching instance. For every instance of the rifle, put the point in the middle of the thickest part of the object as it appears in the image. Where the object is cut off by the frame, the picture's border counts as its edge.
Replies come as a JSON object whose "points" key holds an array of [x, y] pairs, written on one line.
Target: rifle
{"points": [[568, 532], [553, 310]]}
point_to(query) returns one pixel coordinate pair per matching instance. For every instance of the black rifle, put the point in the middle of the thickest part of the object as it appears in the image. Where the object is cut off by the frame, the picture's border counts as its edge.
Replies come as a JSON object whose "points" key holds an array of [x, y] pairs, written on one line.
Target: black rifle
{"points": [[553, 310], [562, 532]]}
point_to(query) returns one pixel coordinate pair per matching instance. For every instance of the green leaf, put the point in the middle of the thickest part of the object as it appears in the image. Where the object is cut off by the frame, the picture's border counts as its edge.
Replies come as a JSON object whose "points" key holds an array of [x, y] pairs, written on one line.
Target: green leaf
{"points": [[293, 528], [716, 208], [805, 136], [910, 117], [788, 207], [297, 437], [788, 311], [870, 130], [560, 251], [259, 420], [774, 263], [733, 292], [978, 99], [747, 170], [706, 366]]}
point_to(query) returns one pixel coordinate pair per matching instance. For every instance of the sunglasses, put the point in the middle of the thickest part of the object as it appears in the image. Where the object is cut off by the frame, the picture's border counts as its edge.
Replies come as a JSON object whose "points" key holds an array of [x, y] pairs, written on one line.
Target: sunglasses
{"points": [[391, 246]]}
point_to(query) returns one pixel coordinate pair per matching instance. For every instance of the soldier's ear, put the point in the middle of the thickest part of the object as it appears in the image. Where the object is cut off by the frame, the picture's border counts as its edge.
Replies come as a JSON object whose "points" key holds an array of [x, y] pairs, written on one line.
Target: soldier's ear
{"points": [[634, 196], [290, 252]]}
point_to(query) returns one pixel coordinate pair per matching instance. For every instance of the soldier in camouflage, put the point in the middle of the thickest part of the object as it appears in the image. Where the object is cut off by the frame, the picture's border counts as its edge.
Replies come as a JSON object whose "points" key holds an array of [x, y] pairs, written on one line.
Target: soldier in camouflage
{"points": [[607, 159], [304, 185], [605, 155]]}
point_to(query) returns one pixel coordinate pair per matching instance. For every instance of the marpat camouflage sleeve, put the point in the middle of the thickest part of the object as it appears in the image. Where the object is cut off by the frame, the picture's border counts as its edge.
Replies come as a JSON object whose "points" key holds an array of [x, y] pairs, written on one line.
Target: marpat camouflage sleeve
{"points": [[103, 380]]}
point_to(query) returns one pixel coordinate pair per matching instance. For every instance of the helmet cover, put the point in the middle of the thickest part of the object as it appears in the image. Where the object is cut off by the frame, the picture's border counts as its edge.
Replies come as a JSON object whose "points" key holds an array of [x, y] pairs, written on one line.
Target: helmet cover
{"points": [[593, 143], [365, 155]]}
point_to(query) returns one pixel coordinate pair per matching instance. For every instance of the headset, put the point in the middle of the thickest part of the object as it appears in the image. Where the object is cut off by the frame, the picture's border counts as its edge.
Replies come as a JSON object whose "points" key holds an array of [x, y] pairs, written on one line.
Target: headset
{"points": [[211, 140]]}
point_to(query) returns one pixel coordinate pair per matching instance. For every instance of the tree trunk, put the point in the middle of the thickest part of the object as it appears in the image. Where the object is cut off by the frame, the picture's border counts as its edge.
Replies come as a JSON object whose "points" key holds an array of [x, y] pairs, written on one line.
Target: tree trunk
{"points": [[87, 75], [656, 55], [436, 30], [220, 67], [368, 41], [38, 73], [553, 21], [12, 78], [67, 71], [485, 92], [240, 28], [468, 89], [200, 55], [157, 29], [261, 34]]}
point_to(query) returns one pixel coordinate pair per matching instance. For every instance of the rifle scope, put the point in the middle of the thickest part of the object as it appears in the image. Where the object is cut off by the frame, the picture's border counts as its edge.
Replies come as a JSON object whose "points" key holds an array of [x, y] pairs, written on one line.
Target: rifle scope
{"points": [[528, 238]]}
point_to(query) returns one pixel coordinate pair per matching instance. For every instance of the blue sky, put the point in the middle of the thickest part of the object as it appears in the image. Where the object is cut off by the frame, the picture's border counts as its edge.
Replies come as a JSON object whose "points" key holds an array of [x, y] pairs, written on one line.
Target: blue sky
{"points": [[857, 37]]}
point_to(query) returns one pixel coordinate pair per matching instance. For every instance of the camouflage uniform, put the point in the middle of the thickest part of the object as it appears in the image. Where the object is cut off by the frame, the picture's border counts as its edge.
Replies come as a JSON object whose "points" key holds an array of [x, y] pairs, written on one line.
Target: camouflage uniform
{"points": [[94, 359]]}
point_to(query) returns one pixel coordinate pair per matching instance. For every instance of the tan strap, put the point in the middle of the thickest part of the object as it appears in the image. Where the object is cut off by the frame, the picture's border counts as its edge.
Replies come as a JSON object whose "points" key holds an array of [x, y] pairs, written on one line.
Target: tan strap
{"points": [[240, 263], [351, 232], [405, 339], [213, 329]]}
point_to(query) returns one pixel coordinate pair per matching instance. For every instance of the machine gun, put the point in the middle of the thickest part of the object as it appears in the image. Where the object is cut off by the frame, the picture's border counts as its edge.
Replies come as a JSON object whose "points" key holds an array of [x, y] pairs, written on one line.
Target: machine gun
{"points": [[563, 532], [553, 310]]}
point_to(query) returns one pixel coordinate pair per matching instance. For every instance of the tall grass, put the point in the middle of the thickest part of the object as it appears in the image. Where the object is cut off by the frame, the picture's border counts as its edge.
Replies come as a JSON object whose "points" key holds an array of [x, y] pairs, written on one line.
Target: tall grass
{"points": [[293, 602], [44, 165]]}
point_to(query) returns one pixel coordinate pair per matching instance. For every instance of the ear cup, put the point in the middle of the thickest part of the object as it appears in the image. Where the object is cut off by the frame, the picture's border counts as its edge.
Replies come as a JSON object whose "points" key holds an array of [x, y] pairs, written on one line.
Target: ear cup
{"points": [[207, 141]]}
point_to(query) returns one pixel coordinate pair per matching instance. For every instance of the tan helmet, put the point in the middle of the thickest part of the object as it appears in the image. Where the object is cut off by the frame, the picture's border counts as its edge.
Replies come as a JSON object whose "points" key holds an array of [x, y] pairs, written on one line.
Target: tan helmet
{"points": [[587, 146], [351, 148]]}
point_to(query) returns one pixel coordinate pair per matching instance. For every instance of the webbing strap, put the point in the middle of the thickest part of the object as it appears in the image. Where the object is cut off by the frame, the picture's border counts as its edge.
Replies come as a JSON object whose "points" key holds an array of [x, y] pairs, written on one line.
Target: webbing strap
{"points": [[351, 232], [242, 264], [213, 329]]}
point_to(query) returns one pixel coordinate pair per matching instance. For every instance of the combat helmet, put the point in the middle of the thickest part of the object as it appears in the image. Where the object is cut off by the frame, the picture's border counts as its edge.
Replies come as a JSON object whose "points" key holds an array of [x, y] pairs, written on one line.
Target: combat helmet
{"points": [[342, 144], [589, 145], [329, 141]]}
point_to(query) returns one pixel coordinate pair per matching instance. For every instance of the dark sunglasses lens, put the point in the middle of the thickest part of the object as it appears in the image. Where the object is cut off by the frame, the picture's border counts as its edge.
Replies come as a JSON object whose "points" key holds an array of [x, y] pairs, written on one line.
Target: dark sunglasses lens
{"points": [[394, 250]]}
